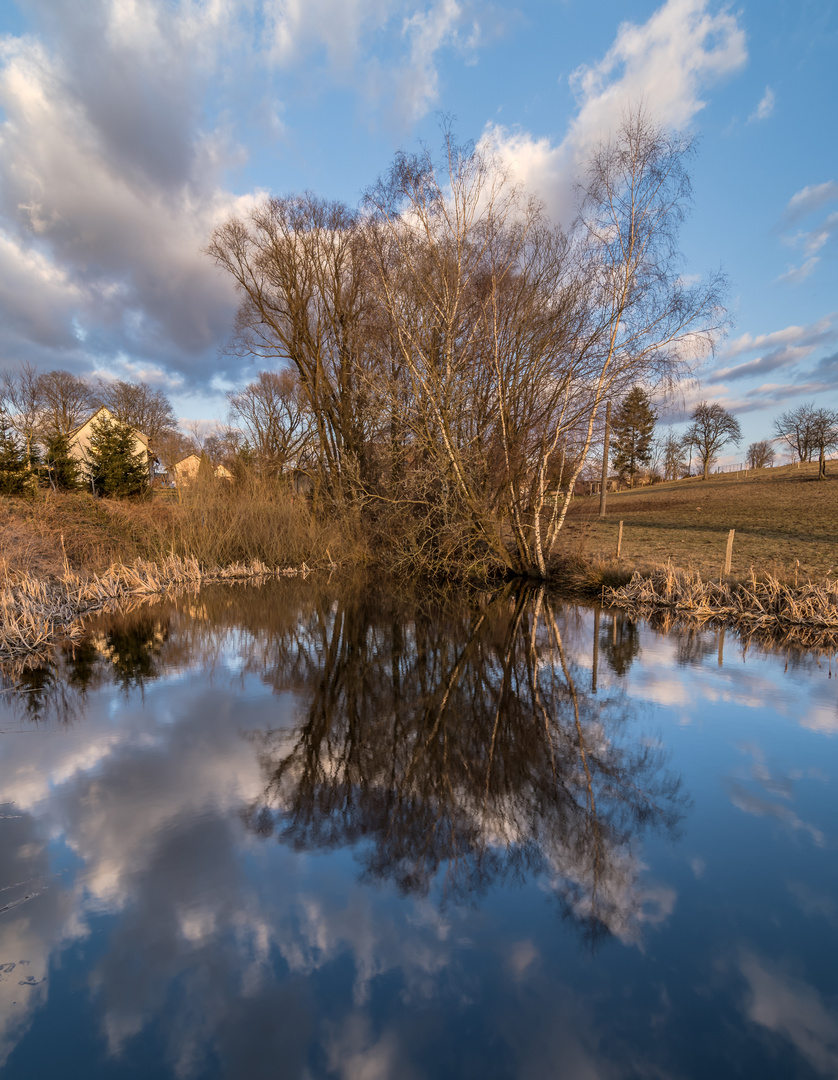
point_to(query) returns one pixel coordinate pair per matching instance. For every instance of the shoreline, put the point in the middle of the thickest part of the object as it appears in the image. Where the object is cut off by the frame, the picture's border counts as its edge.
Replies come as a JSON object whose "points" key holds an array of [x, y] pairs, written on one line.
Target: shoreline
{"points": [[39, 613]]}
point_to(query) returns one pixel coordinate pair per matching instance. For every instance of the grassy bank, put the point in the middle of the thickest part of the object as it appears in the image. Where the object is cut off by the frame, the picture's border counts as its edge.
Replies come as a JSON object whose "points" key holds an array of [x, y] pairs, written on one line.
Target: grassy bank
{"points": [[782, 517], [54, 548], [214, 524]]}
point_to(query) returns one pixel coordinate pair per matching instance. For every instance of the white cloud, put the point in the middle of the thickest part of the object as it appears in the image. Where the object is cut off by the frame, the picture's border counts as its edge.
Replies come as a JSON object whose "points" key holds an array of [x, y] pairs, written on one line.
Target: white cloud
{"points": [[667, 62], [811, 198], [403, 80], [101, 235], [765, 107], [795, 274], [811, 335]]}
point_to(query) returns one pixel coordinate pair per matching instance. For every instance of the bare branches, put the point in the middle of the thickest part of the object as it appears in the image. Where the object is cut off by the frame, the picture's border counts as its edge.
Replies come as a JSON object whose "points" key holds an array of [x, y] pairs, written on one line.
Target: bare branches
{"points": [[712, 428], [455, 349]]}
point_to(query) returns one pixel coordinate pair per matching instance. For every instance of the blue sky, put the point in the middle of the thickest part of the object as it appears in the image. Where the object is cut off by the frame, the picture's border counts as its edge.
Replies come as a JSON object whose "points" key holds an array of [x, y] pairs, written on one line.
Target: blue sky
{"points": [[129, 128]]}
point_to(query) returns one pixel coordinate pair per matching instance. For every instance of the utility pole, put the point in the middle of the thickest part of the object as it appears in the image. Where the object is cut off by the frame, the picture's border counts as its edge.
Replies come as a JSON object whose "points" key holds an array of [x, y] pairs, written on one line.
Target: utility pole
{"points": [[604, 484]]}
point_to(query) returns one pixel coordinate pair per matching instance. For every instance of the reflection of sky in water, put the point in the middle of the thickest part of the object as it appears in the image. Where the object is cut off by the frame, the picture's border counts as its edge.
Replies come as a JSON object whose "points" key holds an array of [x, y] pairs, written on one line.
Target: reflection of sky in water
{"points": [[149, 929]]}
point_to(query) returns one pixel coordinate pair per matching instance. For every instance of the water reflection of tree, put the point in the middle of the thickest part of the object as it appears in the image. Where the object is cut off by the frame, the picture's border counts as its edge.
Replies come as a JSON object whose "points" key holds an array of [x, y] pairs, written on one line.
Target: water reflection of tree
{"points": [[457, 749], [124, 647], [619, 641]]}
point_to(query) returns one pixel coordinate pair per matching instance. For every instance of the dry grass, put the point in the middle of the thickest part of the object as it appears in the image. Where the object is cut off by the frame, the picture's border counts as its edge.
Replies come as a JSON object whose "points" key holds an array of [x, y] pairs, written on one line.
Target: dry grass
{"points": [[215, 523], [806, 615], [781, 516], [65, 556], [35, 613]]}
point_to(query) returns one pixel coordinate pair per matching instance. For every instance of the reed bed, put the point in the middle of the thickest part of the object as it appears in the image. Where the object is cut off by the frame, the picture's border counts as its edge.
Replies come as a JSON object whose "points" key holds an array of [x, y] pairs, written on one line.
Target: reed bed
{"points": [[36, 614], [805, 614]]}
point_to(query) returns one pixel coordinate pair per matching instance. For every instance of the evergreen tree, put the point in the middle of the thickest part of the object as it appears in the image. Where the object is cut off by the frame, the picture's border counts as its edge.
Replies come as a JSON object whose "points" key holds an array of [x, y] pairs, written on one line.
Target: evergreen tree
{"points": [[113, 465], [62, 470], [15, 477], [631, 433]]}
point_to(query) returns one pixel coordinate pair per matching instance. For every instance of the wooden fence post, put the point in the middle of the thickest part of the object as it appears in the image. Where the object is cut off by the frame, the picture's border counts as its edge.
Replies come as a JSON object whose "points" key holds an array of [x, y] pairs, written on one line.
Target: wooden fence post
{"points": [[729, 553], [619, 539]]}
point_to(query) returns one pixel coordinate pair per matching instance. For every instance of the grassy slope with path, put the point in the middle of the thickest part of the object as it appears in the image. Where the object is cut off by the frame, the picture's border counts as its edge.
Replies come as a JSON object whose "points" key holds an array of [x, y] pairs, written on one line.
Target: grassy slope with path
{"points": [[780, 515]]}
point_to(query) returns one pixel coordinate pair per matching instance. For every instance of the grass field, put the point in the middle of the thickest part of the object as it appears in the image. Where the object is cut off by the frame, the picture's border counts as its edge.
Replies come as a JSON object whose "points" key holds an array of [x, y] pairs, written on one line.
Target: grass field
{"points": [[780, 516]]}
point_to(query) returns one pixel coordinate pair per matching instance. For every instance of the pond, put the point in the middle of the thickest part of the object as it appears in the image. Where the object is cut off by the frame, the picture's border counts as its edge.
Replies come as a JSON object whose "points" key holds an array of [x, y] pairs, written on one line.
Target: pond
{"points": [[314, 829]]}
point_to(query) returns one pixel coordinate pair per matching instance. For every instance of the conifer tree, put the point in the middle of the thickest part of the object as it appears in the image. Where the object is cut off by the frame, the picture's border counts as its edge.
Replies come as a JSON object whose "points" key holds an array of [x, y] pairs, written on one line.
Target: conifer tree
{"points": [[15, 477], [632, 427], [61, 468], [113, 465]]}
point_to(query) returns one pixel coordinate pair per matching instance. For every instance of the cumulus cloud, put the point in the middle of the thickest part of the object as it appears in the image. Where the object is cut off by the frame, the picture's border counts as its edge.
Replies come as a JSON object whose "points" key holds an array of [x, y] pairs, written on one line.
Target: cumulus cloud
{"points": [[667, 63], [765, 107], [114, 152], [106, 205]]}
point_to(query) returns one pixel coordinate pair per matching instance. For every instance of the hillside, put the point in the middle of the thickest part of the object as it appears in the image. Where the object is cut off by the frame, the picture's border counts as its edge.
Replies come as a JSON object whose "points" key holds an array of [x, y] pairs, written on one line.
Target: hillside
{"points": [[780, 516]]}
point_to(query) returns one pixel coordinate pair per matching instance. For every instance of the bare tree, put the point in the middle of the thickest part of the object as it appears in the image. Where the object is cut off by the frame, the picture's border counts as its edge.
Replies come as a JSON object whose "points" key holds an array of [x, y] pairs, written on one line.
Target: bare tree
{"points": [[673, 457], [172, 446], [513, 335], [452, 331], [301, 268], [824, 435], [21, 401], [138, 405], [712, 428], [272, 414], [794, 427], [67, 401], [760, 454]]}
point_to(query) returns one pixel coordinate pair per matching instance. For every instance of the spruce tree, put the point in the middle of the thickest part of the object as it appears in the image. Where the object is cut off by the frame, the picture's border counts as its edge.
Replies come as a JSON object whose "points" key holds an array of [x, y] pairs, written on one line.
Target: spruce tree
{"points": [[61, 468], [15, 477], [632, 427], [114, 467]]}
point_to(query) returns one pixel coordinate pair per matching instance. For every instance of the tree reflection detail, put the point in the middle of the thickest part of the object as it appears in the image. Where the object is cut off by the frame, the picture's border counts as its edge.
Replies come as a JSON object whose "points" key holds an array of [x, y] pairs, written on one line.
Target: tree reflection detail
{"points": [[456, 749]]}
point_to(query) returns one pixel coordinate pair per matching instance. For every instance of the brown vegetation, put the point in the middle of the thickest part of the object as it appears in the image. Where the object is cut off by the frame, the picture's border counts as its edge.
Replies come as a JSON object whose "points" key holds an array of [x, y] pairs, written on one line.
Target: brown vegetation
{"points": [[805, 615], [786, 524]]}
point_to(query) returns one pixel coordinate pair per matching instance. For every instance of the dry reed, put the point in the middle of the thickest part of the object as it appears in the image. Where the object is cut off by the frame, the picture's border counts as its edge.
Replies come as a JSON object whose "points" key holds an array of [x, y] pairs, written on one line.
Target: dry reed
{"points": [[35, 614], [766, 608]]}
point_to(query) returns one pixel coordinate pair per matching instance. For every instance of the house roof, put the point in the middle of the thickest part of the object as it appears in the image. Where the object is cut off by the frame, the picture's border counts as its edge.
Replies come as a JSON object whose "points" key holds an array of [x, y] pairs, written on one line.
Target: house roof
{"points": [[180, 461], [110, 415]]}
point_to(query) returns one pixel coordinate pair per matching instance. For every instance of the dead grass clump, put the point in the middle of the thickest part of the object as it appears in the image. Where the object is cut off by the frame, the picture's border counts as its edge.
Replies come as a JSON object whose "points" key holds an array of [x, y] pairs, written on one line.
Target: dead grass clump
{"points": [[586, 575], [764, 604], [35, 613]]}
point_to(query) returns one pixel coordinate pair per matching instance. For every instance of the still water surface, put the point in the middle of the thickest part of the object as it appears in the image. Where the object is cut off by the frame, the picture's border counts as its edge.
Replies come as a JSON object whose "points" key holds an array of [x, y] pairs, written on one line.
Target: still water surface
{"points": [[310, 831]]}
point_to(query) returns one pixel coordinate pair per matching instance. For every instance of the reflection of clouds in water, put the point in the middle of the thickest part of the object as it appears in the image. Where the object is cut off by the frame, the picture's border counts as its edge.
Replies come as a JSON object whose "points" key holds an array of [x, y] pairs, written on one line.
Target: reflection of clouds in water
{"points": [[354, 1053], [111, 794], [746, 801], [794, 1010], [777, 784], [822, 718], [804, 693], [29, 928], [151, 812], [812, 902]]}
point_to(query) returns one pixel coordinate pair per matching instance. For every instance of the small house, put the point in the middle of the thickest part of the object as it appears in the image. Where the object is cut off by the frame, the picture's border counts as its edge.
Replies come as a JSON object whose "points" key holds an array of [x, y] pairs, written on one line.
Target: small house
{"points": [[188, 468]]}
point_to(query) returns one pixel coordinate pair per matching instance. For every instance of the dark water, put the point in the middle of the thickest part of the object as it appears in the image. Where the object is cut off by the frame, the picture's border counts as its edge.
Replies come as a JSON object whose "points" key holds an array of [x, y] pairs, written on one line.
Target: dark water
{"points": [[314, 832]]}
